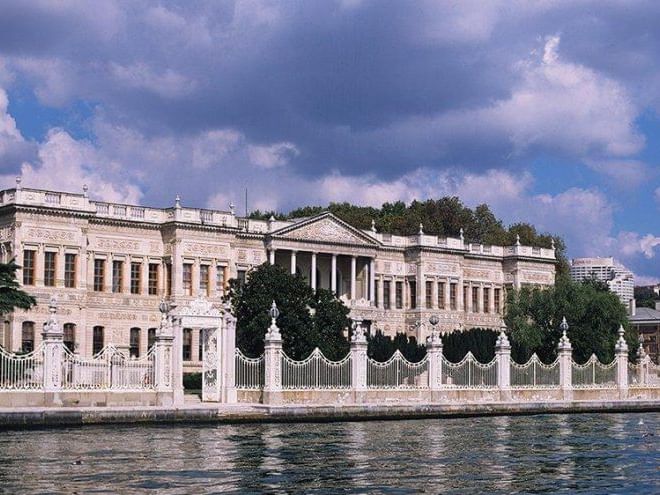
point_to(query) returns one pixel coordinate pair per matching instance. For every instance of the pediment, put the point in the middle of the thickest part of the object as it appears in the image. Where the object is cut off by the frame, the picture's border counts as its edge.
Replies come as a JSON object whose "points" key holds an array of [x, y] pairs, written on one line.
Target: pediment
{"points": [[326, 228]]}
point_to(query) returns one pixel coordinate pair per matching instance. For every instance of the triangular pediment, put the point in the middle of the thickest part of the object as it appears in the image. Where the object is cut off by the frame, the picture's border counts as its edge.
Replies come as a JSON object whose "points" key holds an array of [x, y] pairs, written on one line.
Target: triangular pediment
{"points": [[326, 228]]}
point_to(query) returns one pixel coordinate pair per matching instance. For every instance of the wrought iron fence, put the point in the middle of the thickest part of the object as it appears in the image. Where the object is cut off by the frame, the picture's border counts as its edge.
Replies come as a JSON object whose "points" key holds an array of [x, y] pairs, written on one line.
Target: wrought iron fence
{"points": [[22, 371], [534, 373], [397, 372], [249, 372], [469, 373], [593, 374], [315, 372]]}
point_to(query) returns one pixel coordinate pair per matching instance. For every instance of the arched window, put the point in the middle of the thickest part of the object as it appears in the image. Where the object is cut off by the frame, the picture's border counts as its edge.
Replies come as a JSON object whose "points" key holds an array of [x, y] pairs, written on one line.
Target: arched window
{"points": [[97, 339], [70, 336], [151, 338], [134, 342], [187, 344], [27, 336]]}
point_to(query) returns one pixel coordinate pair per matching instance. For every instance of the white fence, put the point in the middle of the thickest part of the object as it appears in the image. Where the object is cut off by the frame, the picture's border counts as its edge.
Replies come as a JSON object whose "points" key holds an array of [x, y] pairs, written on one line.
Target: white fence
{"points": [[249, 372], [469, 373], [315, 372], [22, 371], [397, 372], [534, 373], [593, 374]]}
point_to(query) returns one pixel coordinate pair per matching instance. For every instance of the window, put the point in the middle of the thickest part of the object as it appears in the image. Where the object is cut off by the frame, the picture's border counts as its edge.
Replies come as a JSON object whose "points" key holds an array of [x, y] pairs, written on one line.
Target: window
{"points": [[97, 340], [453, 288], [28, 267], [151, 338], [153, 279], [429, 294], [99, 275], [136, 277], [240, 275], [27, 336], [486, 300], [69, 337], [398, 295], [413, 294], [168, 286], [49, 268], [441, 295], [475, 299], [134, 342], [200, 346], [70, 270], [496, 299], [376, 289], [204, 279], [386, 294], [117, 271], [187, 344], [465, 298], [220, 279], [187, 279]]}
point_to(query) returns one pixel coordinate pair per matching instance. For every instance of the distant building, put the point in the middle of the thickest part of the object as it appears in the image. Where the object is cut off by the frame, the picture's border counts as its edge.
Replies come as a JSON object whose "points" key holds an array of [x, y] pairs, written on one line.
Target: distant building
{"points": [[647, 323], [618, 278]]}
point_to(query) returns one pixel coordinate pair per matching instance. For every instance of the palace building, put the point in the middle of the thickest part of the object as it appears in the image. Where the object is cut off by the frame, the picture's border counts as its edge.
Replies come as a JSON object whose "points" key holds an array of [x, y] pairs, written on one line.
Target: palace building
{"points": [[110, 265]]}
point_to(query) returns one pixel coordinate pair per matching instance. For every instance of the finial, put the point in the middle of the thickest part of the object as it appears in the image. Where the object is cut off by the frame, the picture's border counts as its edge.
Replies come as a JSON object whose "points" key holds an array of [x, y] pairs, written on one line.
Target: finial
{"points": [[272, 218], [502, 339], [373, 225], [85, 189], [517, 239], [18, 181], [52, 305], [358, 332], [461, 233], [421, 229], [621, 344], [552, 243], [641, 353], [273, 333], [231, 207], [564, 342], [177, 201]]}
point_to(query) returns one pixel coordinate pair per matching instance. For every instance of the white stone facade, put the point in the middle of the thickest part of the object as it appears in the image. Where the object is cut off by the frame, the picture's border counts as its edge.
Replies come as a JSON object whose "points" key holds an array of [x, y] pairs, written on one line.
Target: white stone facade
{"points": [[110, 264]]}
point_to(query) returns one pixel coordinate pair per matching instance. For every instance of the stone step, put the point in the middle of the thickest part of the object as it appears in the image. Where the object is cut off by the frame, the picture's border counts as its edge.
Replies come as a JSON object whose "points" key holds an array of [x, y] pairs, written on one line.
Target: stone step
{"points": [[192, 399]]}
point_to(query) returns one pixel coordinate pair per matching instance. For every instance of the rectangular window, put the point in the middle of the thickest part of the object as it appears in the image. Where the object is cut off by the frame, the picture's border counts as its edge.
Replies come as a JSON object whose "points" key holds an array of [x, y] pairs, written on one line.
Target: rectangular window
{"points": [[136, 277], [475, 299], [27, 336], [376, 289], [153, 279], [486, 300], [28, 267], [200, 346], [49, 268], [97, 339], [413, 294], [69, 336], [453, 289], [240, 275], [204, 279], [134, 346], [398, 295], [441, 295], [187, 344], [70, 260], [99, 275], [466, 295], [187, 279], [117, 271], [386, 294], [168, 286], [220, 279], [496, 300], [151, 337], [428, 296]]}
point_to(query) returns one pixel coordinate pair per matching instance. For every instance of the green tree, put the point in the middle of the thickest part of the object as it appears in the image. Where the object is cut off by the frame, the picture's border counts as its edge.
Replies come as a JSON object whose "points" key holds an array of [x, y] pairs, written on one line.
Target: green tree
{"points": [[307, 319], [381, 347], [594, 314], [11, 295]]}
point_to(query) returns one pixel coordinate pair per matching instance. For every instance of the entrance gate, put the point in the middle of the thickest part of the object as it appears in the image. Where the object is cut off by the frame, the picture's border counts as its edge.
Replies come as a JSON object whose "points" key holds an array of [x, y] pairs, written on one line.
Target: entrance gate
{"points": [[218, 333]]}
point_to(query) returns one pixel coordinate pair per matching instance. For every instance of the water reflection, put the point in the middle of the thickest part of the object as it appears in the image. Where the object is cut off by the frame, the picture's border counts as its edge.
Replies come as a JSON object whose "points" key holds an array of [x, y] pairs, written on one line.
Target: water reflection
{"points": [[538, 454]]}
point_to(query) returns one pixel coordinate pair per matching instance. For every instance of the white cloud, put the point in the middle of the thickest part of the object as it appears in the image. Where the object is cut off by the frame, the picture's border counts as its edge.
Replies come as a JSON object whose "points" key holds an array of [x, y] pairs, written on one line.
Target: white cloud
{"points": [[168, 83], [622, 173], [274, 155]]}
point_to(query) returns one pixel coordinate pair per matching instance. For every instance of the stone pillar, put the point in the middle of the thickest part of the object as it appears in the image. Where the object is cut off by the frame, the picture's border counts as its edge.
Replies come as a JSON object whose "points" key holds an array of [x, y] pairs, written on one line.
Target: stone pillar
{"points": [[213, 279], [229, 395], [313, 274], [353, 275], [372, 281], [480, 299], [643, 360], [271, 256], [293, 262], [434, 293], [164, 356], [459, 295], [565, 351], [358, 351], [434, 352], [421, 287], [59, 268], [333, 274], [177, 361], [273, 361], [448, 295], [380, 289], [52, 363], [503, 356], [107, 282], [621, 354], [144, 276]]}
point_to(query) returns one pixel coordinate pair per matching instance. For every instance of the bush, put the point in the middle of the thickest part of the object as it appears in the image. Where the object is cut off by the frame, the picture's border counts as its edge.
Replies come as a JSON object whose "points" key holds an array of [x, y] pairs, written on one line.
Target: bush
{"points": [[192, 381]]}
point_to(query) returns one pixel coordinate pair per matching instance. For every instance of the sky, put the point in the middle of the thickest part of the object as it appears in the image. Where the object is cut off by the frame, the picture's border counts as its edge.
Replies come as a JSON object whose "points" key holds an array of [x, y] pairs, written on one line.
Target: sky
{"points": [[548, 111]]}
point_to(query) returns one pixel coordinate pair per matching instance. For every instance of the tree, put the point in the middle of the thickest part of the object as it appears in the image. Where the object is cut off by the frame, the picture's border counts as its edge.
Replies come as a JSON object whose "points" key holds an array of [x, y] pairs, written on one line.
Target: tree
{"points": [[594, 314], [11, 295], [381, 347], [308, 319]]}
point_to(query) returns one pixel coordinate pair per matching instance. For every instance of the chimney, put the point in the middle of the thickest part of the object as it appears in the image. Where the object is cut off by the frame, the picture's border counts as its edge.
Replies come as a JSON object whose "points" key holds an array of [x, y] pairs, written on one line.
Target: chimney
{"points": [[632, 309]]}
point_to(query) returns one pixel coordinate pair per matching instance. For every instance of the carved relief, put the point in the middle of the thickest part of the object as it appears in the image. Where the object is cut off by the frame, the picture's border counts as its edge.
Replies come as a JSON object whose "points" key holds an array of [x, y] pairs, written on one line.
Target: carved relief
{"points": [[123, 245], [327, 230], [53, 235], [7, 233], [201, 249]]}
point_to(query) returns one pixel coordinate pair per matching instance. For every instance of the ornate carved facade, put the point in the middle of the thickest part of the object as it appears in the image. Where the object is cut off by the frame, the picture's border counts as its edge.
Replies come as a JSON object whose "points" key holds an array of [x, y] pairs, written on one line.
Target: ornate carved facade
{"points": [[110, 264]]}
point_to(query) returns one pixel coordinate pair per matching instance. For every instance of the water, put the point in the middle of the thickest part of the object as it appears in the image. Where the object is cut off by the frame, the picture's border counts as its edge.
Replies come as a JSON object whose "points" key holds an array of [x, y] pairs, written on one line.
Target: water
{"points": [[595, 453]]}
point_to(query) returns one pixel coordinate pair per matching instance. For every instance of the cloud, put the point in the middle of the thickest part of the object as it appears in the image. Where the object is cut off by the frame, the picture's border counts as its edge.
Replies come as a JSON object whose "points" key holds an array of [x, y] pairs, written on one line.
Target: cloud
{"points": [[13, 147], [272, 156]]}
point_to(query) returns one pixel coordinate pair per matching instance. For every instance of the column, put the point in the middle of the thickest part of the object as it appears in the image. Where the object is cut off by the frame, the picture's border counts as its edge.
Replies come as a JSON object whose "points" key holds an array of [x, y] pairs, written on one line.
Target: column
{"points": [[272, 363], [448, 295], [434, 293], [459, 295], [372, 281], [144, 277], [161, 278], [380, 288], [621, 356], [213, 277], [358, 352], [565, 352], [434, 353], [293, 262], [195, 281], [164, 359], [393, 293], [503, 356], [421, 286], [480, 298], [59, 268], [194, 344], [353, 270], [491, 301], [271, 256], [228, 372], [333, 274], [313, 277], [126, 275], [107, 283], [53, 346]]}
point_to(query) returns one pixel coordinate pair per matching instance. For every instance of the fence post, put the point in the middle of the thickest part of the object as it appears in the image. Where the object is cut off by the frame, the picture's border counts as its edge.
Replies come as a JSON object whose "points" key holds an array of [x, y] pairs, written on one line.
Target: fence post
{"points": [[621, 356], [229, 393], [164, 343], [643, 360], [565, 351], [434, 353], [273, 360], [52, 363], [358, 352], [503, 356]]}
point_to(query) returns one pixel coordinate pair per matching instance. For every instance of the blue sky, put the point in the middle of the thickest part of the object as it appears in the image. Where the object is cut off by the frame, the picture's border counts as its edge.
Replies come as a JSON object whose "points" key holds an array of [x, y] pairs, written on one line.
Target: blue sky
{"points": [[547, 111]]}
